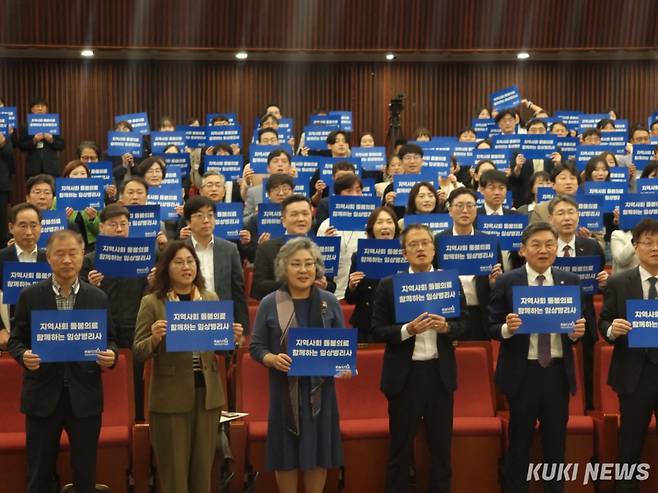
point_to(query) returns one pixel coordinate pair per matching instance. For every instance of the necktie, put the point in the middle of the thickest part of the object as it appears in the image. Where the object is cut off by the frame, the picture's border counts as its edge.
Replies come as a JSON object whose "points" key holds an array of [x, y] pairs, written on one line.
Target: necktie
{"points": [[567, 251], [652, 353], [543, 340]]}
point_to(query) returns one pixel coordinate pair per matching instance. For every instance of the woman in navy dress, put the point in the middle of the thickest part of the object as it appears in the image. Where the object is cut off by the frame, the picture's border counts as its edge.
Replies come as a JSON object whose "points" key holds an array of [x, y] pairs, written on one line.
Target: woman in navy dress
{"points": [[303, 432]]}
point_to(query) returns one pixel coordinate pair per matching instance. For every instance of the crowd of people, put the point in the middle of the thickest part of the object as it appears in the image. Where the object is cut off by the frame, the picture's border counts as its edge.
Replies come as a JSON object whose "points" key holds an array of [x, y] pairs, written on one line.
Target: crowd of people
{"points": [[290, 283]]}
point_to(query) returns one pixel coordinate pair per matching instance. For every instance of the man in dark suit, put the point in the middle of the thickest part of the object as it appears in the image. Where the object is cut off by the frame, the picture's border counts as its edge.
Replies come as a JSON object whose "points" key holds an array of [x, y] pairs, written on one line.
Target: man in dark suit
{"points": [[41, 148], [563, 211], [7, 169], [58, 396], [25, 226], [419, 374], [633, 371], [219, 258], [462, 205], [534, 371]]}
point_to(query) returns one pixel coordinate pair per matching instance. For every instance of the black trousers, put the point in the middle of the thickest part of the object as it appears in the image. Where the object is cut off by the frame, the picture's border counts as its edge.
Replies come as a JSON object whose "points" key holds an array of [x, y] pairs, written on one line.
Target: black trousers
{"points": [[42, 444], [423, 396], [544, 396], [636, 410]]}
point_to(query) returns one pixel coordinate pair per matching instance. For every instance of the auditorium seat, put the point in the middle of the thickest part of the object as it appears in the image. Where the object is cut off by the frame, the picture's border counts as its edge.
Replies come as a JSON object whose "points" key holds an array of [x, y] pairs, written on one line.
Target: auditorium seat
{"points": [[606, 420], [363, 410], [347, 313], [598, 305], [477, 441]]}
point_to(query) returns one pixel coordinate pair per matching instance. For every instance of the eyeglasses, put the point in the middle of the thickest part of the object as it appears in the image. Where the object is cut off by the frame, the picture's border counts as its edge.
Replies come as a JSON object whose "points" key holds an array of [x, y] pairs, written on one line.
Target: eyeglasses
{"points": [[649, 245], [417, 245], [300, 266], [211, 184], [179, 264], [209, 216], [115, 225], [469, 206], [281, 190]]}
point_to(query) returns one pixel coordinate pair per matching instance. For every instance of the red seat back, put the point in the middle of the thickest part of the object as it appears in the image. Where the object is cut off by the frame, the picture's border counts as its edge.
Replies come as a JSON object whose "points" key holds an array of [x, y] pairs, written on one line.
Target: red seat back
{"points": [[360, 397], [118, 394], [605, 399], [11, 376], [347, 314], [252, 387], [475, 391]]}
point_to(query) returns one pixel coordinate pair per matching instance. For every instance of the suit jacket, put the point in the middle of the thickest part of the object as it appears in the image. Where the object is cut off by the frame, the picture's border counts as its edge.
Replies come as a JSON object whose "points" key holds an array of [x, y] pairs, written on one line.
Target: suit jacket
{"points": [[321, 213], [44, 160], [172, 379], [7, 165], [587, 247], [513, 356], [627, 363], [515, 259], [398, 353], [253, 198], [229, 278], [520, 185], [42, 387]]}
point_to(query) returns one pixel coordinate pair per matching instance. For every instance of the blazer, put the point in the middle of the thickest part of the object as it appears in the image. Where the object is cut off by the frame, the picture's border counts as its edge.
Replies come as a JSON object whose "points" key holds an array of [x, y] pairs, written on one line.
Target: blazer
{"points": [[587, 247], [42, 387], [172, 378], [362, 298], [520, 185], [7, 165], [627, 363], [398, 353], [513, 356], [44, 160]]}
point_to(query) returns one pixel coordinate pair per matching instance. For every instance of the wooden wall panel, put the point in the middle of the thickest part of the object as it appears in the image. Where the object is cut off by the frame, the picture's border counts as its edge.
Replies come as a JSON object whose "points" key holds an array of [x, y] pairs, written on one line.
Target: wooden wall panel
{"points": [[415, 25]]}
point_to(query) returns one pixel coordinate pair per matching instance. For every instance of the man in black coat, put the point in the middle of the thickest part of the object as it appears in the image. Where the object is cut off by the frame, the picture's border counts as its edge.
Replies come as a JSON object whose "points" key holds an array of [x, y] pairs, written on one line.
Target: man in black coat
{"points": [[7, 169], [633, 371], [419, 374], [58, 396], [534, 371], [41, 148]]}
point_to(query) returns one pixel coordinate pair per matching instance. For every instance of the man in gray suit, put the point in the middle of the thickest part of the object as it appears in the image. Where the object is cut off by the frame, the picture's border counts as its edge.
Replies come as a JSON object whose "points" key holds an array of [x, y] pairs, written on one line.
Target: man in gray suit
{"points": [[220, 260]]}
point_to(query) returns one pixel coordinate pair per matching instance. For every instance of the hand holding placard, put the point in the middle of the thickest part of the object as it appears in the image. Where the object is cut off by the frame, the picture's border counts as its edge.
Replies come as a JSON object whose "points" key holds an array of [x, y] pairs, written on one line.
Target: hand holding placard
{"points": [[158, 331]]}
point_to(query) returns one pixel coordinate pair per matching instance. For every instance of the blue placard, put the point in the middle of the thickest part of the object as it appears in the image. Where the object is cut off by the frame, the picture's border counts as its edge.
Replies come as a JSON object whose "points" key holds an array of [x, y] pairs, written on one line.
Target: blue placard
{"points": [[68, 335], [51, 221], [120, 143], [229, 220], [437, 222], [439, 144], [101, 170], [179, 161], [330, 249], [117, 256], [538, 146], [368, 187], [19, 275], [505, 98], [303, 184], [437, 162], [230, 167], [161, 140], [139, 122], [610, 191], [483, 127], [642, 154], [43, 123], [567, 146], [315, 136], [507, 228], [172, 177], [590, 120], [202, 325], [436, 292], [586, 152], [402, 185], [502, 158], [586, 268], [79, 193], [590, 211], [285, 130], [643, 316], [571, 119], [646, 185], [8, 116], [616, 140], [224, 134], [269, 220], [258, 156], [372, 158], [619, 174], [634, 207], [144, 221], [380, 258], [546, 309], [345, 119], [505, 141], [324, 121], [308, 164], [195, 137], [469, 255], [230, 116], [167, 197], [321, 352], [464, 153], [351, 213], [545, 194]]}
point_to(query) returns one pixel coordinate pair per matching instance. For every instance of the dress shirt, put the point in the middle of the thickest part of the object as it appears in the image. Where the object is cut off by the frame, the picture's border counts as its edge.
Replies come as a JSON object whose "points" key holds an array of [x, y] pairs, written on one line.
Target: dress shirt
{"points": [[468, 282], [561, 244], [206, 259], [556, 339], [493, 212], [25, 256], [63, 301], [425, 344]]}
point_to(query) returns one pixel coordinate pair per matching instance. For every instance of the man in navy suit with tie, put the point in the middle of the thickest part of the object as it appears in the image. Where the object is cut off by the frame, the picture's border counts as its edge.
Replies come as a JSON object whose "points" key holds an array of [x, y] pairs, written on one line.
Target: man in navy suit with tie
{"points": [[534, 371]]}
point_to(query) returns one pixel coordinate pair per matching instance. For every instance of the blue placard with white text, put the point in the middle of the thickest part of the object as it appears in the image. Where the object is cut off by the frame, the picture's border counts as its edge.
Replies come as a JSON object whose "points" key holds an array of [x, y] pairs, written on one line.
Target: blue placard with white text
{"points": [[308, 164], [437, 222], [567, 146], [161, 140], [511, 142], [437, 162], [180, 160], [643, 316], [201, 325], [229, 220], [229, 166], [18, 275], [124, 257], [380, 258], [344, 119], [590, 211], [634, 207], [372, 158], [436, 292], [324, 352], [43, 123], [144, 221], [500, 157], [351, 213], [570, 118], [507, 228], [616, 140], [195, 137], [68, 335], [586, 152], [619, 174], [610, 191], [402, 185], [258, 156], [172, 177], [545, 193], [51, 221], [269, 220], [224, 134], [8, 116], [464, 153], [120, 143], [590, 120], [330, 249], [139, 122], [101, 170], [324, 120], [79, 193], [538, 146], [546, 309], [469, 255], [505, 98], [642, 154], [167, 197], [646, 185], [315, 136], [483, 127], [586, 268]]}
